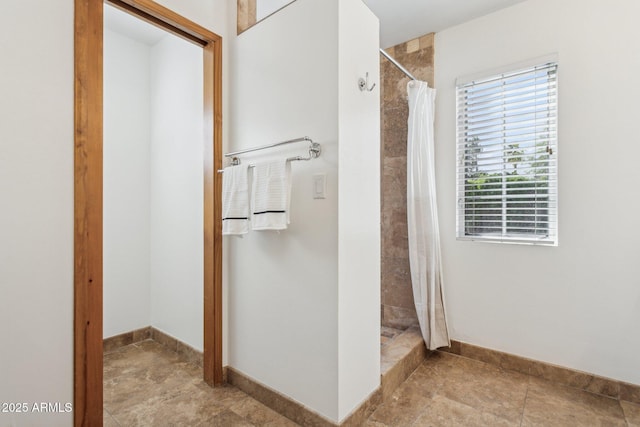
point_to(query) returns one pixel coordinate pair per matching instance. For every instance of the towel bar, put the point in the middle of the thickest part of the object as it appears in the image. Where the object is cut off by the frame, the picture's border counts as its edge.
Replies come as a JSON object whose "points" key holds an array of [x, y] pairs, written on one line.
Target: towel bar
{"points": [[314, 151]]}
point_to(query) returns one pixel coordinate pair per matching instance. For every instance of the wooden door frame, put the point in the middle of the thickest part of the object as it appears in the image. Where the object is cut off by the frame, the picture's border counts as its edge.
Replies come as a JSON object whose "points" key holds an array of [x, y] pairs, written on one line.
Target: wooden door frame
{"points": [[88, 176]]}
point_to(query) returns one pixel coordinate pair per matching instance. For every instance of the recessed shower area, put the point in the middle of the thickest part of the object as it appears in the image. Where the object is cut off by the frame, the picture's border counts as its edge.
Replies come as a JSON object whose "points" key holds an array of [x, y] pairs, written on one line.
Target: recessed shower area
{"points": [[401, 344]]}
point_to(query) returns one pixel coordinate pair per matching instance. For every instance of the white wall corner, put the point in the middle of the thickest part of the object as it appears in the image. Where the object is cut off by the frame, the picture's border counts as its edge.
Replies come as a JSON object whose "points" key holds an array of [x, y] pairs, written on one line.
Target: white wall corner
{"points": [[308, 301], [574, 304], [359, 206], [126, 168]]}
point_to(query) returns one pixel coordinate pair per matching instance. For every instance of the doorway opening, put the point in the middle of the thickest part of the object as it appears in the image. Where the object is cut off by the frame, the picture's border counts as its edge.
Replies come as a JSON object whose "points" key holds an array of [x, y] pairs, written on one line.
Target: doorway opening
{"points": [[88, 205]]}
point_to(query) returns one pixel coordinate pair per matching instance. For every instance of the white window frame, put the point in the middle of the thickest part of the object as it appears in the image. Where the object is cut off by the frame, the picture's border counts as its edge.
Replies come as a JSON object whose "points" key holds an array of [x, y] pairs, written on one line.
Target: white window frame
{"points": [[465, 133]]}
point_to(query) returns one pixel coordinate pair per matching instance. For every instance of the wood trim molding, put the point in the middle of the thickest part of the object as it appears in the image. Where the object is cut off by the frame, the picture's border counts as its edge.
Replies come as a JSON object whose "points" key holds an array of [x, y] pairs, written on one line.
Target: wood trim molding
{"points": [[167, 19], [88, 213], [213, 373], [88, 175], [151, 19]]}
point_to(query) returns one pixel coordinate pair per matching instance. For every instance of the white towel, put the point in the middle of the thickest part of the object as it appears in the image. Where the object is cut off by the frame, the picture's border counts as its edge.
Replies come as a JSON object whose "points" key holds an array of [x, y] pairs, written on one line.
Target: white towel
{"points": [[271, 195], [235, 200]]}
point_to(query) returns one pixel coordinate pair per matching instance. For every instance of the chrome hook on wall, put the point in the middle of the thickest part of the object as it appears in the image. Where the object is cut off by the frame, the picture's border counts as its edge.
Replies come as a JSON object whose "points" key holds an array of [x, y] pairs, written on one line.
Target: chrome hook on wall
{"points": [[364, 82]]}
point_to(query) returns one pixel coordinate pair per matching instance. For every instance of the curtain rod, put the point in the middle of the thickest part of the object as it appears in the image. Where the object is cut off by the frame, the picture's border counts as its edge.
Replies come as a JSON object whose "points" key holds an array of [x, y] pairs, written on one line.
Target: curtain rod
{"points": [[397, 64]]}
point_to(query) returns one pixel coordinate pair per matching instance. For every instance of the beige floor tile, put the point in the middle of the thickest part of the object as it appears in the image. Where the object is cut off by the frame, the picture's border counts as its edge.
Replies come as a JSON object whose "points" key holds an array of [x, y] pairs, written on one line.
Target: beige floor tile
{"points": [[394, 351], [258, 414], [121, 361], [147, 385], [550, 405], [158, 352], [388, 332], [281, 422], [162, 381], [125, 391], [189, 405], [405, 405], [438, 369], [483, 387], [185, 409], [227, 419], [226, 395], [140, 414], [108, 421], [443, 412], [631, 413], [136, 357]]}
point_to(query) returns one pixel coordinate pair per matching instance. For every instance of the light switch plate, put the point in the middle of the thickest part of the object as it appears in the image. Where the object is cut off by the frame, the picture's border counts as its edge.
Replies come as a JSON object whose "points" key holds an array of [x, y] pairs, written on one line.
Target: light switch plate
{"points": [[319, 185]]}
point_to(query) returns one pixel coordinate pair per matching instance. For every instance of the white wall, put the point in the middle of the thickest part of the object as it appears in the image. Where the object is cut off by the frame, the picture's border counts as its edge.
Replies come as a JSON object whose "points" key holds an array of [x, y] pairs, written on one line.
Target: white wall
{"points": [[358, 206], [283, 318], [578, 304], [36, 186], [127, 134], [218, 16], [176, 201], [153, 262], [289, 301], [36, 217], [265, 8]]}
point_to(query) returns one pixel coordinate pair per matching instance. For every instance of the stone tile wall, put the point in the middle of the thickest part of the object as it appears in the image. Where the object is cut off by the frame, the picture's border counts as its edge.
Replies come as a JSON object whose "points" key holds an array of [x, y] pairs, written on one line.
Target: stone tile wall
{"points": [[246, 14], [397, 297]]}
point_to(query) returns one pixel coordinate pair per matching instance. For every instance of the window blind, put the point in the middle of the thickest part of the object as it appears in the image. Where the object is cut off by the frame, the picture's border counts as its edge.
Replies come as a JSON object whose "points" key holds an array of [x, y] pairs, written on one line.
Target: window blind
{"points": [[507, 127]]}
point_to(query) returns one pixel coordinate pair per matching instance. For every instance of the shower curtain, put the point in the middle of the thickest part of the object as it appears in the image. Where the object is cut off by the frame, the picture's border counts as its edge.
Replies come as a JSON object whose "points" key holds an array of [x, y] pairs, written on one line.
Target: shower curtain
{"points": [[422, 217]]}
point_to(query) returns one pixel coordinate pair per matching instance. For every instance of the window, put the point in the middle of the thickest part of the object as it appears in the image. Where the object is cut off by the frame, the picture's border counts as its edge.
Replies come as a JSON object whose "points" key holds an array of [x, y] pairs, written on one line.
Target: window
{"points": [[507, 156]]}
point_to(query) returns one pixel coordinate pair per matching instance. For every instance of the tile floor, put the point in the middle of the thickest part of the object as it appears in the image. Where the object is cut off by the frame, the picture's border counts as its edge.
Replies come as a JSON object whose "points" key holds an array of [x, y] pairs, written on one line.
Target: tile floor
{"points": [[449, 390], [388, 334], [147, 385]]}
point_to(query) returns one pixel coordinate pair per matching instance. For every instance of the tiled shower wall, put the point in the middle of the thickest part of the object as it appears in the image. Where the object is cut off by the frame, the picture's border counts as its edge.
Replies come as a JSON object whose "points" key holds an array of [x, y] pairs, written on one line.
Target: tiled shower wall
{"points": [[246, 14], [397, 297]]}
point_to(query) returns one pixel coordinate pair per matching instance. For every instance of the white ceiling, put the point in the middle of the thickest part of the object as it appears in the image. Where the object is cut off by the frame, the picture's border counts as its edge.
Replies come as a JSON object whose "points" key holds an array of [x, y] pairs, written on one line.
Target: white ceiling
{"points": [[400, 20], [403, 20], [124, 24]]}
